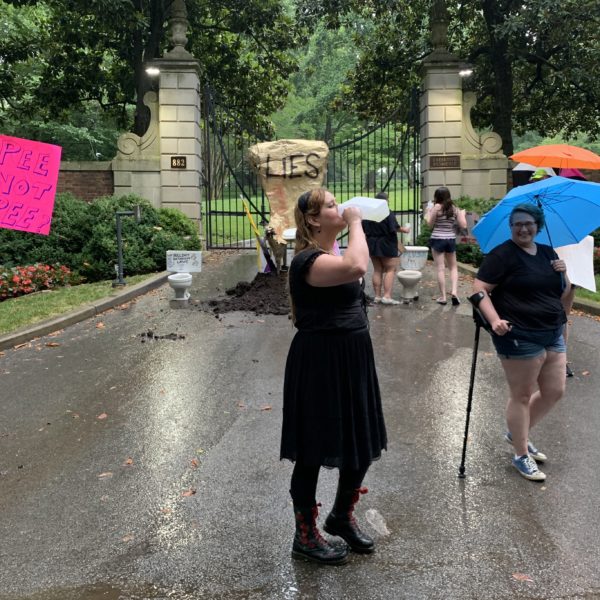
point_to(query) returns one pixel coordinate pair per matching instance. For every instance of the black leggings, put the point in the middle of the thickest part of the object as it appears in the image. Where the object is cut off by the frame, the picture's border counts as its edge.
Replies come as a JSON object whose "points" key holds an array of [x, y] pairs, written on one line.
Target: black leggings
{"points": [[303, 488]]}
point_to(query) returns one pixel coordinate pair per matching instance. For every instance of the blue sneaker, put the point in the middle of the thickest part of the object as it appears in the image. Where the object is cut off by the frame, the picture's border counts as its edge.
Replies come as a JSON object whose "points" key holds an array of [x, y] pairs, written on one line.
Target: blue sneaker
{"points": [[531, 449], [528, 468]]}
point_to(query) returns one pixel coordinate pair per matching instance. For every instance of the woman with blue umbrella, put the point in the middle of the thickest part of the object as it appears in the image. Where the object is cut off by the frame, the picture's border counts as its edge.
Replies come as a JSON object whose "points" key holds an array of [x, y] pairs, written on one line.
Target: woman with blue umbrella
{"points": [[519, 287]]}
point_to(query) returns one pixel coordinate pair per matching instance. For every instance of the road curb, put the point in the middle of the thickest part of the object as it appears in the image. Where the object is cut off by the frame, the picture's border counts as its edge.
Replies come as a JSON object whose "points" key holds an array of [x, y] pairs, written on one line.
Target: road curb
{"points": [[120, 296]]}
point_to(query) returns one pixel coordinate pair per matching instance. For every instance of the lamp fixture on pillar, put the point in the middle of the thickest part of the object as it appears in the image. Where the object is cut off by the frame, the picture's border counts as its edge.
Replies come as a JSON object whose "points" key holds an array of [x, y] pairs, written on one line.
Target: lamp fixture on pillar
{"points": [[465, 70]]}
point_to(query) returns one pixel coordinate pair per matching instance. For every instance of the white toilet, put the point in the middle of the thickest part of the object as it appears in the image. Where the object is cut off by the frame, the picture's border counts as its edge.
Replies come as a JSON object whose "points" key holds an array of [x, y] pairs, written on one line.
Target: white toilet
{"points": [[181, 283], [412, 261]]}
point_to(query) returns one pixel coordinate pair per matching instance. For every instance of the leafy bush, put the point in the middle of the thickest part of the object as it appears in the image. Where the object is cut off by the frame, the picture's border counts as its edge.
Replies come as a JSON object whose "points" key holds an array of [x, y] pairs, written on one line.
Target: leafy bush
{"points": [[17, 281], [83, 237], [477, 205], [596, 260], [469, 253]]}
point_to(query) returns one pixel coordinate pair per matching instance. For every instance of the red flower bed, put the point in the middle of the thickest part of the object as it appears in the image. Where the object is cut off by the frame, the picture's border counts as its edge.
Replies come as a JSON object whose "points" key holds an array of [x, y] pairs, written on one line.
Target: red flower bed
{"points": [[18, 281]]}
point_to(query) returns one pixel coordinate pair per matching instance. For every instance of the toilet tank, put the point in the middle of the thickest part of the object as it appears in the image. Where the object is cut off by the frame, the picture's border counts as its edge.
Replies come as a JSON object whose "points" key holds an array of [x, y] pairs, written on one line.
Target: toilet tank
{"points": [[414, 257]]}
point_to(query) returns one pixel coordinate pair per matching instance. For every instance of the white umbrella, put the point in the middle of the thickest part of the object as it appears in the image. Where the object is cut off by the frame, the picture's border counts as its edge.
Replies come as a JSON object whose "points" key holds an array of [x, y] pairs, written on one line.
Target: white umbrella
{"points": [[528, 167]]}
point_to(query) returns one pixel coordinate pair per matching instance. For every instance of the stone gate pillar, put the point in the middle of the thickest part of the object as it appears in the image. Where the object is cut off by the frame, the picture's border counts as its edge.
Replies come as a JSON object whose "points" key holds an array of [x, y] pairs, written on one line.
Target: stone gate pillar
{"points": [[165, 164], [179, 120], [453, 154]]}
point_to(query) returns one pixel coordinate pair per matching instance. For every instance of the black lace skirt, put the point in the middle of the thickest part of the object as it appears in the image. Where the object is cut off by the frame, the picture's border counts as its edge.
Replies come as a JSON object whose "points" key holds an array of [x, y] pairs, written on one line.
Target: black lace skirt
{"points": [[332, 413]]}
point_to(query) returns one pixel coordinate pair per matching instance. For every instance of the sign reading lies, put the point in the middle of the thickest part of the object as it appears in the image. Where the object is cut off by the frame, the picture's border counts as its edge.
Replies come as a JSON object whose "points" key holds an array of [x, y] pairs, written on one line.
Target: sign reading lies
{"points": [[28, 176], [184, 261], [286, 169], [448, 161]]}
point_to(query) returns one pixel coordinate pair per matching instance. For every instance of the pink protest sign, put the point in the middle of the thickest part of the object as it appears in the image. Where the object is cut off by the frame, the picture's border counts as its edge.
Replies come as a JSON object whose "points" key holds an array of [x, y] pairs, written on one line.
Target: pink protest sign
{"points": [[28, 176]]}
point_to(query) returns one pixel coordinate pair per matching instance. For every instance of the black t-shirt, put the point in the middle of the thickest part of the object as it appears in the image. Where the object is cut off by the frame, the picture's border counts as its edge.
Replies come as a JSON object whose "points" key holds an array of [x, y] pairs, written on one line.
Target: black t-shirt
{"points": [[528, 289], [387, 228], [339, 307]]}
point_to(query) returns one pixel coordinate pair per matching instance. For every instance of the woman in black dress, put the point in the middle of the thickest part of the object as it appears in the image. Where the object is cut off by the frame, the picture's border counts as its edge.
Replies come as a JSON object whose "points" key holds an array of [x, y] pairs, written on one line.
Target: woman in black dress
{"points": [[382, 240], [332, 415]]}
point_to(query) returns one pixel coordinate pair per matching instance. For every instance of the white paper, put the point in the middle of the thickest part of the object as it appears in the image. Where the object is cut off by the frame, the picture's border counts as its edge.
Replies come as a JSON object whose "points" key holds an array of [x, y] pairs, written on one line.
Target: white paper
{"points": [[184, 261], [580, 262]]}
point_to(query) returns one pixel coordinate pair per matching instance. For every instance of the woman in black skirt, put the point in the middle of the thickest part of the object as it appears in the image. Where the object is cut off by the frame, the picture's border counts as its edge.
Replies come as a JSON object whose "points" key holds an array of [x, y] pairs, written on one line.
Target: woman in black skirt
{"points": [[332, 414], [382, 240]]}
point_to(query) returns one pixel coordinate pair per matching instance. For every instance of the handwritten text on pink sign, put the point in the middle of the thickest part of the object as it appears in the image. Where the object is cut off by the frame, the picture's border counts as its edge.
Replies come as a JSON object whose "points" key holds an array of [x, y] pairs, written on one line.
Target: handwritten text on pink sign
{"points": [[28, 176]]}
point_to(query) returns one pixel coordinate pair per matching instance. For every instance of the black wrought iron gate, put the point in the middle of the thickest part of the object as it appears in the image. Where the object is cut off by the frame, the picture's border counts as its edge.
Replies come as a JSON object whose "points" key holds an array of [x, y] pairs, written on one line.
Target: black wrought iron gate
{"points": [[383, 157]]}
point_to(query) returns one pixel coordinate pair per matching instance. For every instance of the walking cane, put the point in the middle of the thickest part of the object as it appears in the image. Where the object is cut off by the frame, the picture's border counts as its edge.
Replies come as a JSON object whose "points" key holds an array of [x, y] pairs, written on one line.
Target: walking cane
{"points": [[480, 321]]}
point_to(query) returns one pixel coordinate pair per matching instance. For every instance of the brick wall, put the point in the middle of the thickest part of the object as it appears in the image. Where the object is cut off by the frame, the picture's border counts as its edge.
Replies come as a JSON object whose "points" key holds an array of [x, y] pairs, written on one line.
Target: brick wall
{"points": [[86, 180]]}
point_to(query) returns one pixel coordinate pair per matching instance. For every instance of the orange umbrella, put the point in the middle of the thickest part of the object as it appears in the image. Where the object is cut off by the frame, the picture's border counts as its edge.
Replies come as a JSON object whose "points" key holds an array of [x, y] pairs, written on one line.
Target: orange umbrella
{"points": [[560, 156]]}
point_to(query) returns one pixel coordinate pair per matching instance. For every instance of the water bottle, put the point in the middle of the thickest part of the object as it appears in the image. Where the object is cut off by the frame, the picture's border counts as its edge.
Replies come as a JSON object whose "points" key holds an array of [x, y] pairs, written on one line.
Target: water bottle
{"points": [[372, 209]]}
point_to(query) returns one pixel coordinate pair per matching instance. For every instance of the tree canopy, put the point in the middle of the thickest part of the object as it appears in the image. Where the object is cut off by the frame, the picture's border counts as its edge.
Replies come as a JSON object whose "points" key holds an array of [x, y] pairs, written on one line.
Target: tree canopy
{"points": [[60, 54], [536, 64]]}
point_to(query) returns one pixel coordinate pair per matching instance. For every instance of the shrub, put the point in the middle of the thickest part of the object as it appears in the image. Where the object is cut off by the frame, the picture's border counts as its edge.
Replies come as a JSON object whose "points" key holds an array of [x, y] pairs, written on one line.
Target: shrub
{"points": [[83, 237], [596, 260], [469, 253]]}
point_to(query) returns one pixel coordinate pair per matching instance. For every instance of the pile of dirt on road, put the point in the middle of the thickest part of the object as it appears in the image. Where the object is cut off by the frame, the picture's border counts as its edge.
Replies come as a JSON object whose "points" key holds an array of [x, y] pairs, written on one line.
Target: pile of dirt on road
{"points": [[267, 294]]}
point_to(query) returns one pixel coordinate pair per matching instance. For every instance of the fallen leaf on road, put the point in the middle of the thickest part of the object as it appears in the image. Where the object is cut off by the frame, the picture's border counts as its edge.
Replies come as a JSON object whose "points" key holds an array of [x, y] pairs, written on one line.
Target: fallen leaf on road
{"points": [[266, 407], [2, 354], [195, 463], [188, 493], [522, 577], [418, 330], [105, 475], [241, 405], [100, 325], [55, 333], [585, 373], [52, 344], [128, 538], [128, 461], [25, 345], [102, 416]]}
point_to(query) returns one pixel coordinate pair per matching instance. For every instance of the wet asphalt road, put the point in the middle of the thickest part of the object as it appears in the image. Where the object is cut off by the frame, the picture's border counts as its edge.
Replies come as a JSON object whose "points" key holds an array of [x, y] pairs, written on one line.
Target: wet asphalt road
{"points": [[147, 469]]}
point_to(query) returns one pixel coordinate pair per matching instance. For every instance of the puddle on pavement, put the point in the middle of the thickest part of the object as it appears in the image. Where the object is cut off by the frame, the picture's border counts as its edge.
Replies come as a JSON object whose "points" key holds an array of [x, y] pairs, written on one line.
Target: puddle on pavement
{"points": [[108, 592], [98, 592]]}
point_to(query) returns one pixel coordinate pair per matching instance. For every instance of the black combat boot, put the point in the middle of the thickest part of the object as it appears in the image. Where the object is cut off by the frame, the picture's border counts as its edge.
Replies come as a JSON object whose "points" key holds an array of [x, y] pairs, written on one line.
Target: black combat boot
{"points": [[309, 544], [341, 521]]}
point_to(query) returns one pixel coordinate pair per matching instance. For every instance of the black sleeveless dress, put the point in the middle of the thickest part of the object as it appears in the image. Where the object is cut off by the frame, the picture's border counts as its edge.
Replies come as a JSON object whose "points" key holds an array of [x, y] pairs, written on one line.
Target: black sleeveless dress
{"points": [[332, 413]]}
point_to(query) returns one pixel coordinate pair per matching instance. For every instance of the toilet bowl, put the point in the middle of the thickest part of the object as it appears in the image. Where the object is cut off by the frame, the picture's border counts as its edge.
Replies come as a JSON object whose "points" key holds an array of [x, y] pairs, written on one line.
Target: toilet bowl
{"points": [[412, 260], [410, 285], [180, 282]]}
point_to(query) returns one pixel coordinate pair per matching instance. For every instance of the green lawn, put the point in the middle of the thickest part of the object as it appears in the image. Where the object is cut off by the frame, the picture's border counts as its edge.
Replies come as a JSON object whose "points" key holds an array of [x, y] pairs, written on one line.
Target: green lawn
{"points": [[587, 295], [31, 308], [231, 224]]}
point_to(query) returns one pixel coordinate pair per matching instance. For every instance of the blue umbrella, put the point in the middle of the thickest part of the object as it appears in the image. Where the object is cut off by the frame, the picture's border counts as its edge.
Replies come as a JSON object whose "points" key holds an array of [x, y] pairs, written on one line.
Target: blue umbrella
{"points": [[571, 209]]}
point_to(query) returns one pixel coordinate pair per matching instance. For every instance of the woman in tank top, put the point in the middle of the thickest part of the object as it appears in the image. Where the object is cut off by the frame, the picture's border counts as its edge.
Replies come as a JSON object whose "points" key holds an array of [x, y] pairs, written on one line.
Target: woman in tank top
{"points": [[443, 217]]}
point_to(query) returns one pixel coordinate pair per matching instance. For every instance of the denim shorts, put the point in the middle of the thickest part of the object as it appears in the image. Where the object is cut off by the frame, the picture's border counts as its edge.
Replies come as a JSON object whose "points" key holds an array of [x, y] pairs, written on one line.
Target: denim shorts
{"points": [[526, 343], [442, 245]]}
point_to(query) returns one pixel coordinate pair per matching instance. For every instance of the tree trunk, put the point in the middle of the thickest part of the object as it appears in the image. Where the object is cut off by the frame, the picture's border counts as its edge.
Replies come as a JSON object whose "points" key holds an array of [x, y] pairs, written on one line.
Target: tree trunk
{"points": [[494, 13], [143, 82]]}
